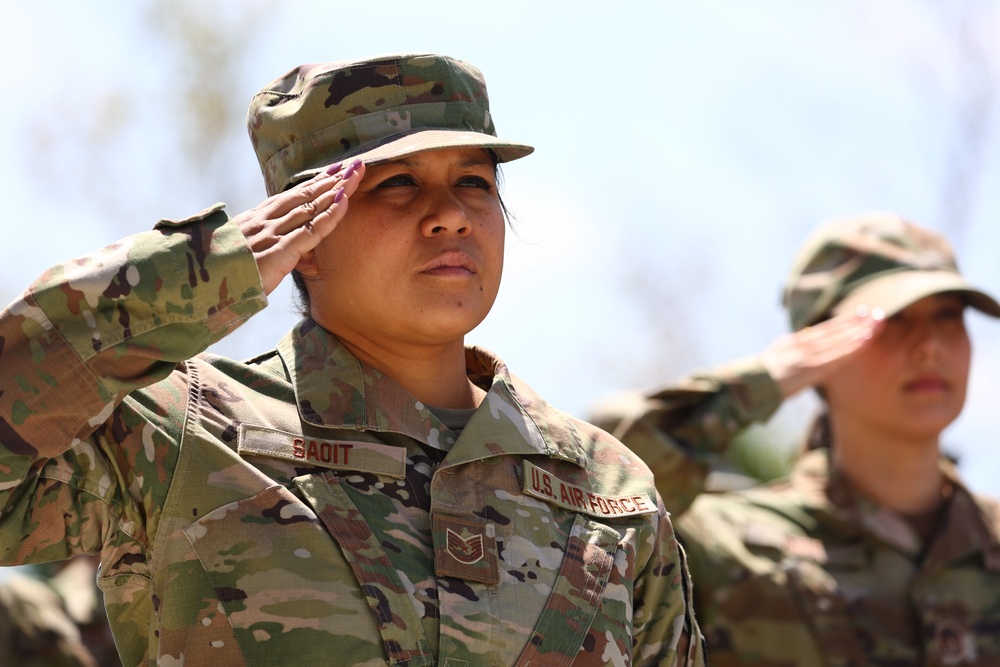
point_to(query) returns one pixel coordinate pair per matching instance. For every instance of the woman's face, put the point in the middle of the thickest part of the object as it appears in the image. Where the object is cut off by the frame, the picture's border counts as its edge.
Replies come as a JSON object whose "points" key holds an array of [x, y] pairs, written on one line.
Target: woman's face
{"points": [[418, 256], [910, 381]]}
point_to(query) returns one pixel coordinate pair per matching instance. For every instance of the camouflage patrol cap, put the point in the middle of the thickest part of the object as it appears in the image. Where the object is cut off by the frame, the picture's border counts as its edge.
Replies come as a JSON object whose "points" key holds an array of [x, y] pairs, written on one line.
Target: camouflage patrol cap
{"points": [[875, 259], [376, 109]]}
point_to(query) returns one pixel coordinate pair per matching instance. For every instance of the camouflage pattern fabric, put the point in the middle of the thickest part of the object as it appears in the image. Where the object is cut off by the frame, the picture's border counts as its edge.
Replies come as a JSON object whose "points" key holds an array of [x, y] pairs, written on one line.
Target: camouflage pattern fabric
{"points": [[35, 628], [381, 108], [877, 257], [679, 430], [803, 572], [299, 507], [51, 617]]}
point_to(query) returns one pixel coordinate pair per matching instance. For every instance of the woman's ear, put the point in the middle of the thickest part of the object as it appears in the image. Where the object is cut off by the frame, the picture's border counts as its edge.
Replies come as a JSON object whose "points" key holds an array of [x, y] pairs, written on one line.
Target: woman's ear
{"points": [[307, 265]]}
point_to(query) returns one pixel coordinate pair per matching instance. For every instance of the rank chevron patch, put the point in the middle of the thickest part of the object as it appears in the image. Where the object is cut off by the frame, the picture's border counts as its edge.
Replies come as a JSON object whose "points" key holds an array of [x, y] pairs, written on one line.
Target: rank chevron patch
{"points": [[466, 550]]}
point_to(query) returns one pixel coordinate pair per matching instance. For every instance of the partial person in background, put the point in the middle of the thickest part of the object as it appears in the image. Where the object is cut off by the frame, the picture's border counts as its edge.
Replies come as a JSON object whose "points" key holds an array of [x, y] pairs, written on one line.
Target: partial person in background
{"points": [[53, 616], [872, 551], [370, 491]]}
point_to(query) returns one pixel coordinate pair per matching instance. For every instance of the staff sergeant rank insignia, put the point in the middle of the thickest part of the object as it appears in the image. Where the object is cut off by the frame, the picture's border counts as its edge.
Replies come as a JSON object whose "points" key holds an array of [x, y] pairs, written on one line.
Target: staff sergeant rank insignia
{"points": [[465, 548], [544, 485]]}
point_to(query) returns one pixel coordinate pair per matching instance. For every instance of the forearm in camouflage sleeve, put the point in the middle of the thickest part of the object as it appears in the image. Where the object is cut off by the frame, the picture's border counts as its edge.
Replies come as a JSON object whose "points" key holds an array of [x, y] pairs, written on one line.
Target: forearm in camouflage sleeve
{"points": [[93, 329], [678, 430]]}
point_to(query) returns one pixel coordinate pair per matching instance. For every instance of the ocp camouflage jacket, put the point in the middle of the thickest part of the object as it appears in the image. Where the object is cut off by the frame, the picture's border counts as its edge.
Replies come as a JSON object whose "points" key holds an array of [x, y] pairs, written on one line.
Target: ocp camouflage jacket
{"points": [[804, 571], [298, 508]]}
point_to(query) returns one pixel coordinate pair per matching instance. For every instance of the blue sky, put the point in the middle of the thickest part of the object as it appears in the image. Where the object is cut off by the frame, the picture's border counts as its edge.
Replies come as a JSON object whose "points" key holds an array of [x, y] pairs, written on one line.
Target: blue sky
{"points": [[684, 150]]}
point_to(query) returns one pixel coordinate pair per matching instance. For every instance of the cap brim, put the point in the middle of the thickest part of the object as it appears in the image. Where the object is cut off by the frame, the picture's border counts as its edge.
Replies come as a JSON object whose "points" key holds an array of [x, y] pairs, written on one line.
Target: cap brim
{"points": [[894, 292], [427, 140]]}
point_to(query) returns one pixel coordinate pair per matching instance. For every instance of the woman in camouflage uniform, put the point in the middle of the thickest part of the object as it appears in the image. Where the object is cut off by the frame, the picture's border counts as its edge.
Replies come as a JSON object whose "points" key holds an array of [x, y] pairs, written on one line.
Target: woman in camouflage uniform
{"points": [[872, 552], [371, 491]]}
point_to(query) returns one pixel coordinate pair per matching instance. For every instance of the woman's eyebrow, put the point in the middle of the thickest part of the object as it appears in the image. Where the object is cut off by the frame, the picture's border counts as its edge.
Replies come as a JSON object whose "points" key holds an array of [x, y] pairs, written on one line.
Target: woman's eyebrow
{"points": [[476, 162], [402, 162], [413, 163]]}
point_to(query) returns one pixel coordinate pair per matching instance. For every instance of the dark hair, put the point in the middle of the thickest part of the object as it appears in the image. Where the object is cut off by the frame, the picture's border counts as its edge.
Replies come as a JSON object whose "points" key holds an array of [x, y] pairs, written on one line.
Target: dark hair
{"points": [[301, 298], [820, 433]]}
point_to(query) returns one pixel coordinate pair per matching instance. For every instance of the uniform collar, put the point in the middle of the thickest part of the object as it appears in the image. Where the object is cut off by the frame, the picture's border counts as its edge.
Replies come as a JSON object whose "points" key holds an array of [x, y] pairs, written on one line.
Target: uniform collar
{"points": [[335, 390], [968, 527]]}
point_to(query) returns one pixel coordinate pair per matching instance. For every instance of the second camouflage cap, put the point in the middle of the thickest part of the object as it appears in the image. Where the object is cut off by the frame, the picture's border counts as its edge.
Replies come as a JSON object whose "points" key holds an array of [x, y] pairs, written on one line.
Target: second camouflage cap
{"points": [[378, 108], [878, 260]]}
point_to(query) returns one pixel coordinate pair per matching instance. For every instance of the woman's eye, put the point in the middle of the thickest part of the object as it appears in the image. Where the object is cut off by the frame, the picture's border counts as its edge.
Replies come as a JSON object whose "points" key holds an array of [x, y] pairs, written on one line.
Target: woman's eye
{"points": [[399, 180], [475, 182], [950, 314]]}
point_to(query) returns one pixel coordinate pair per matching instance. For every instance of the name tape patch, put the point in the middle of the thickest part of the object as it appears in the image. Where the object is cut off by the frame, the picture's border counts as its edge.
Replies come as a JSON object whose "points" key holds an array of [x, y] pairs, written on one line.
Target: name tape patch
{"points": [[544, 485], [334, 454]]}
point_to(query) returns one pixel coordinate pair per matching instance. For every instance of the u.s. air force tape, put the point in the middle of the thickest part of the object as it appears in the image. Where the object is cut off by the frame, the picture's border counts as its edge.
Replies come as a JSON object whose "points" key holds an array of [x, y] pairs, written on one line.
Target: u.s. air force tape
{"points": [[544, 485], [334, 454]]}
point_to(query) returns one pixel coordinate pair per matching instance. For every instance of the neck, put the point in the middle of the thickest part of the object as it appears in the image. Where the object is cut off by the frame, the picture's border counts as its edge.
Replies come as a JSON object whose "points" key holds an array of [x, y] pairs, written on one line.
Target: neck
{"points": [[435, 375], [896, 471]]}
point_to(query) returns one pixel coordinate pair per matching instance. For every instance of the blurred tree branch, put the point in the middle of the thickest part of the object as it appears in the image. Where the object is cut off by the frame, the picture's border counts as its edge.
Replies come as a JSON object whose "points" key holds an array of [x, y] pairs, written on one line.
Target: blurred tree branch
{"points": [[192, 88], [976, 70]]}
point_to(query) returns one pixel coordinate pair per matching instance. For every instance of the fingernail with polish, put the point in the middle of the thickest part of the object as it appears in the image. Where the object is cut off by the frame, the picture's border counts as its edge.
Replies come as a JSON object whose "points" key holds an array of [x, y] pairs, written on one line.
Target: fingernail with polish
{"points": [[340, 195], [861, 311], [334, 168], [878, 314]]}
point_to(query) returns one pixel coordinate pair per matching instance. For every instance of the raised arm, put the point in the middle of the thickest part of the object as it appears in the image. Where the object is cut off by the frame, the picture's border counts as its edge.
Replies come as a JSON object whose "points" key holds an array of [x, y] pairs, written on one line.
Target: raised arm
{"points": [[678, 430], [93, 330]]}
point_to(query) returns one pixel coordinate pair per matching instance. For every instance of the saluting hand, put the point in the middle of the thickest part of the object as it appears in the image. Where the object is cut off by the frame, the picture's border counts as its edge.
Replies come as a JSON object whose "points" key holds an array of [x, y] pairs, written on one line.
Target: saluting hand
{"points": [[285, 226], [803, 358]]}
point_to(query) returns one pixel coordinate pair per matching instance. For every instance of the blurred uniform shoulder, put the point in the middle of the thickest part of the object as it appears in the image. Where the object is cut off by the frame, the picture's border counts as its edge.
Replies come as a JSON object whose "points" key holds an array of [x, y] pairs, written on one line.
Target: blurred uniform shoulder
{"points": [[606, 457], [611, 410], [758, 526], [35, 628], [990, 509]]}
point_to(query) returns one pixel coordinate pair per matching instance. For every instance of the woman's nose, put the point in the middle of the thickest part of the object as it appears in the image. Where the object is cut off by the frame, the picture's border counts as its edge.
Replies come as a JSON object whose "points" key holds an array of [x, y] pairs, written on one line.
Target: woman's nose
{"points": [[445, 214], [927, 342]]}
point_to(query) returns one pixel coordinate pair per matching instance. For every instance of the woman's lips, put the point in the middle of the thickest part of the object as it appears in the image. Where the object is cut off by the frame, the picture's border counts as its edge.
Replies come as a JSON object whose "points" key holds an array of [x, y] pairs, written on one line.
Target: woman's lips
{"points": [[452, 263], [929, 383]]}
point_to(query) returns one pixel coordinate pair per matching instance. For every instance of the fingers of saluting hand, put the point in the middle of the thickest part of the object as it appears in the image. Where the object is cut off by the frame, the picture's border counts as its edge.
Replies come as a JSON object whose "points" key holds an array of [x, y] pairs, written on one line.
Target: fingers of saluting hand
{"points": [[806, 357], [839, 336], [329, 207], [298, 207], [289, 224]]}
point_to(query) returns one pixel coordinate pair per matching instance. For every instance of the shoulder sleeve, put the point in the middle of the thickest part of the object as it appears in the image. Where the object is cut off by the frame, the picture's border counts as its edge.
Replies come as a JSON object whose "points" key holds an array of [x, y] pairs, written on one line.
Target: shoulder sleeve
{"points": [[666, 631], [94, 329], [677, 430]]}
